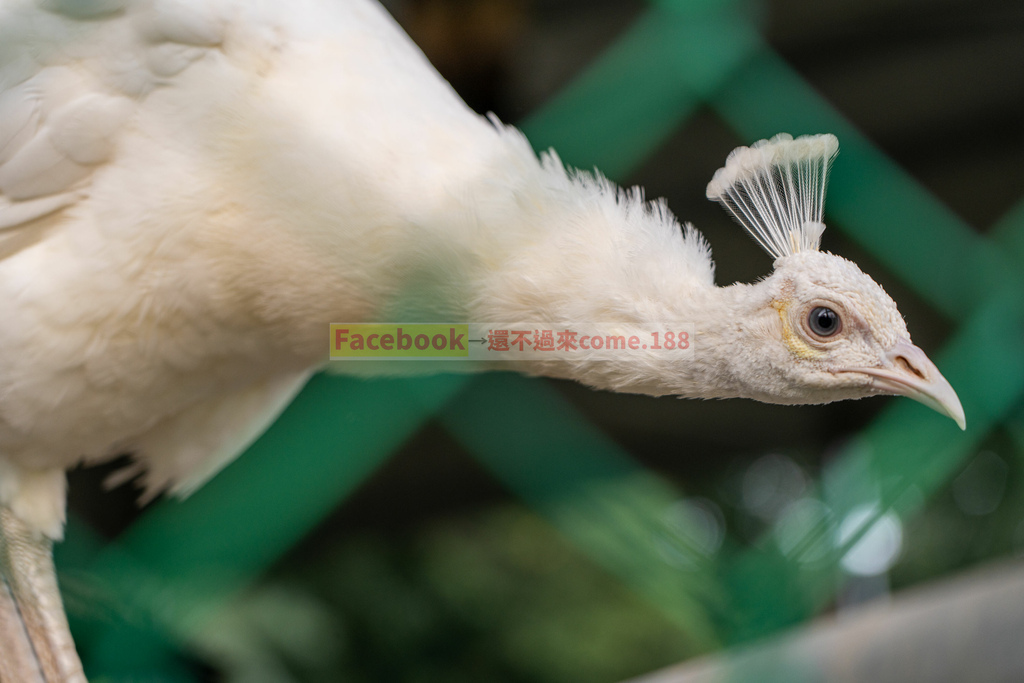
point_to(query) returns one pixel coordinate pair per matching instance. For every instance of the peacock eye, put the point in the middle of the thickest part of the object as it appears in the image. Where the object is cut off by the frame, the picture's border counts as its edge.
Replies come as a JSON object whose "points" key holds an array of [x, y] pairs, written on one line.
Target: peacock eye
{"points": [[824, 322]]}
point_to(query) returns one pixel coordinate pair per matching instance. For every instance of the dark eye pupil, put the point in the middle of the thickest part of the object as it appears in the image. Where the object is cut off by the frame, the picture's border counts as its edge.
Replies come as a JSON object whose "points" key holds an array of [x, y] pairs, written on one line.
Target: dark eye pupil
{"points": [[824, 321]]}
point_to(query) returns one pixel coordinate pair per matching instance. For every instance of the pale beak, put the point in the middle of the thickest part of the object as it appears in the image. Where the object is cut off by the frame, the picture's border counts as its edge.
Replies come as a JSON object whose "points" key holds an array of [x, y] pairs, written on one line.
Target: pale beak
{"points": [[909, 372]]}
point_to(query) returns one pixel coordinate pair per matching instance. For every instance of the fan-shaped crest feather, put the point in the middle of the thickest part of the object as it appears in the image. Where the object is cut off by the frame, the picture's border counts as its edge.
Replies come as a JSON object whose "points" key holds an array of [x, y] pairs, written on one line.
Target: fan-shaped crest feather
{"points": [[776, 190]]}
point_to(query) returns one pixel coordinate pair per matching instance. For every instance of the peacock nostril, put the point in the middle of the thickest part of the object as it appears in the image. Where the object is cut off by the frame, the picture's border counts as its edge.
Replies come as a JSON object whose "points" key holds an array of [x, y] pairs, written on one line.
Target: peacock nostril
{"points": [[905, 365]]}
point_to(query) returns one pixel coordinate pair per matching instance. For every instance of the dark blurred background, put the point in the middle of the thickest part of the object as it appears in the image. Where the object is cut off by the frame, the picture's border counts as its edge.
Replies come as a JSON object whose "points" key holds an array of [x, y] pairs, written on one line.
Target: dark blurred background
{"points": [[436, 569]]}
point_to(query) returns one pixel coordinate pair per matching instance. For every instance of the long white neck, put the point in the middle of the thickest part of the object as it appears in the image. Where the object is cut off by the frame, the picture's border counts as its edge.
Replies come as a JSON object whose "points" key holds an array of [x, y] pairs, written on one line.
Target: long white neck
{"points": [[447, 217], [598, 254], [503, 237], [532, 242]]}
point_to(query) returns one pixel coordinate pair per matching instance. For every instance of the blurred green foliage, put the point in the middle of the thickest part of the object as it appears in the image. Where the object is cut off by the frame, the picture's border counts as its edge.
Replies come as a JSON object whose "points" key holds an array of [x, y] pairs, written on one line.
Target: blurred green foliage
{"points": [[497, 597]]}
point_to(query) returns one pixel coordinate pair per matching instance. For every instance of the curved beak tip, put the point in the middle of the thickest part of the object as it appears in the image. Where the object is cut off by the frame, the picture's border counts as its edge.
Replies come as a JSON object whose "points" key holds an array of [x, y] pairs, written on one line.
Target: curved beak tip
{"points": [[956, 412], [938, 394], [911, 373]]}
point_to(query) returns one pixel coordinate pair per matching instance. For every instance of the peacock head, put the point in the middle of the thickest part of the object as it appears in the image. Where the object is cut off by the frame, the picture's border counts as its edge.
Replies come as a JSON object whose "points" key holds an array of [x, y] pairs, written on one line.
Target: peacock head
{"points": [[832, 332]]}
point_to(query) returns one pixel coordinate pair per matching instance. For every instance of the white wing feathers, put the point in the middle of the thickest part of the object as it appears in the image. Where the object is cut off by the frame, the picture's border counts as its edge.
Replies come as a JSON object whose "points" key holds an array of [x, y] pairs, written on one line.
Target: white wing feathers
{"points": [[184, 451], [776, 190], [75, 82], [70, 86]]}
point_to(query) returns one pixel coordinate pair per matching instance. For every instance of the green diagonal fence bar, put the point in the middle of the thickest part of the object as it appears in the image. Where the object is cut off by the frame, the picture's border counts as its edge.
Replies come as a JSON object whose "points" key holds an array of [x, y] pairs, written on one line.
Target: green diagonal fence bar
{"points": [[182, 560], [603, 501], [620, 110]]}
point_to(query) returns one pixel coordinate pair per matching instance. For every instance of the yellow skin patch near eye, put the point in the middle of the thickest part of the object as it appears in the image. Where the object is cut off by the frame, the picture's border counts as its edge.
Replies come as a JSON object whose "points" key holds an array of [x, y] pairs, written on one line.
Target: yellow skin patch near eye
{"points": [[797, 346]]}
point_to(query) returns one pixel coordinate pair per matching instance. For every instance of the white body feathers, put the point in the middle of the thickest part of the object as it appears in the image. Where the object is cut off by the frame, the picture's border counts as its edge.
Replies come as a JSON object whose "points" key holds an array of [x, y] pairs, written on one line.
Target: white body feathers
{"points": [[191, 191]]}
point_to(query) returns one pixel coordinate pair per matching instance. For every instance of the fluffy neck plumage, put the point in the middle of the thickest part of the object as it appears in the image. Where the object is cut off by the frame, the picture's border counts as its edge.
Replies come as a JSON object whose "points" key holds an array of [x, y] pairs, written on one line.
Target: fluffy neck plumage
{"points": [[506, 238], [594, 253]]}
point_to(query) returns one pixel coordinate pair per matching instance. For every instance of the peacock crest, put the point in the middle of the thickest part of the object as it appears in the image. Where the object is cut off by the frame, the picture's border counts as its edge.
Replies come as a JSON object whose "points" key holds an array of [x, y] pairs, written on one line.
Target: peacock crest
{"points": [[776, 190]]}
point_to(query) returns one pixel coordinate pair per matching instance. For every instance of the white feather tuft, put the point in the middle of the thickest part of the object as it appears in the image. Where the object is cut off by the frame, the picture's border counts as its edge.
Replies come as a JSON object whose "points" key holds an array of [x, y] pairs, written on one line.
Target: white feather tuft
{"points": [[776, 190]]}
